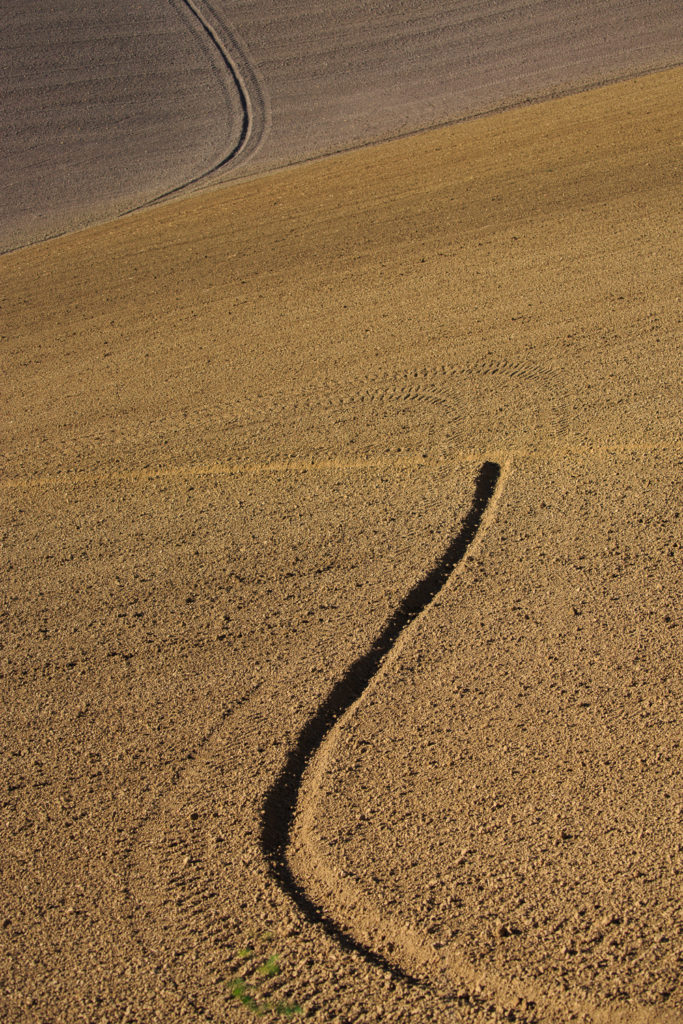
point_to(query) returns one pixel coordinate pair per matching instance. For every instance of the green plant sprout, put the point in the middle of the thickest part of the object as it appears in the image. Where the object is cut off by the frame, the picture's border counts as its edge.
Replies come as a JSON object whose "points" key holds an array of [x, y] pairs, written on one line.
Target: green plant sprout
{"points": [[248, 994], [286, 1009], [270, 968], [240, 990]]}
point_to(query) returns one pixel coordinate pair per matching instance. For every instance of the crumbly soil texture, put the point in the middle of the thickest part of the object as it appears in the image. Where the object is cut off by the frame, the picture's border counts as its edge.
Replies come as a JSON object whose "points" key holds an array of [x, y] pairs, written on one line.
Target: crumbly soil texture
{"points": [[341, 609]]}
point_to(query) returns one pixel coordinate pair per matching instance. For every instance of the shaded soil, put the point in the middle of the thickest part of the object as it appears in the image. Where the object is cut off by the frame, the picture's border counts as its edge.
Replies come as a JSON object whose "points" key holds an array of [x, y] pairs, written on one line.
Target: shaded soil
{"points": [[238, 430], [106, 109], [344, 74]]}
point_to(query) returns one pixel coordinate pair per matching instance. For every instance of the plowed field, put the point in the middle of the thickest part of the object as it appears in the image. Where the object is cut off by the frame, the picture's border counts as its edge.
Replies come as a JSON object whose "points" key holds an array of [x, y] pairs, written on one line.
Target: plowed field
{"points": [[341, 549]]}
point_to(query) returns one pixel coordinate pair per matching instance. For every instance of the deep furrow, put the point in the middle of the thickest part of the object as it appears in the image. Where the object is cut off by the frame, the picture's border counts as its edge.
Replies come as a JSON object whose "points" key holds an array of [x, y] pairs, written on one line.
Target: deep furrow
{"points": [[251, 102], [282, 798]]}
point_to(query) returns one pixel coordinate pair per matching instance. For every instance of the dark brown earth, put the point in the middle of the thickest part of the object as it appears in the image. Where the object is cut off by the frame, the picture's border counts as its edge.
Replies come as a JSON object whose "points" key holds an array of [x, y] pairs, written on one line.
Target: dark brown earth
{"points": [[106, 107], [343, 74], [238, 430]]}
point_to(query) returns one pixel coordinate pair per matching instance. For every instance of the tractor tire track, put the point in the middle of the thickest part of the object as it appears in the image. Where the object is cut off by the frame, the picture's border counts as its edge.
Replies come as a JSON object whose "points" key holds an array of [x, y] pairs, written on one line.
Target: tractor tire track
{"points": [[252, 104], [282, 799]]}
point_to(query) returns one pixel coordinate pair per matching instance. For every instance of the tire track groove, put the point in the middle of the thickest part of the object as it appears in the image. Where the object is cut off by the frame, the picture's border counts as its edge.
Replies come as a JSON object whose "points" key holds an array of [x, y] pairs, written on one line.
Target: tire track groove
{"points": [[250, 98], [281, 800]]}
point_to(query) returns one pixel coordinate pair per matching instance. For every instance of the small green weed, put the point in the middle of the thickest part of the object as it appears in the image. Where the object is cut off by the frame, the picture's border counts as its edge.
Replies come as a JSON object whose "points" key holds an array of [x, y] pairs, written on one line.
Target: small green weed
{"points": [[240, 990], [286, 1009], [270, 968], [248, 994]]}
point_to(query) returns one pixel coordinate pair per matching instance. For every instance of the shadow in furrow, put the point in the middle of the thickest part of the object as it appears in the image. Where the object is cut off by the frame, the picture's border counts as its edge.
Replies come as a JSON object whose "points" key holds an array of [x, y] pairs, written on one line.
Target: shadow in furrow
{"points": [[281, 799]]}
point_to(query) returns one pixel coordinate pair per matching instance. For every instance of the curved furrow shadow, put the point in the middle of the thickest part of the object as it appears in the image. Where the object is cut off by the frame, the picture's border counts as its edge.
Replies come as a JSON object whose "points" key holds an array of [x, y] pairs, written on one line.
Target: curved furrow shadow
{"points": [[281, 799], [250, 97]]}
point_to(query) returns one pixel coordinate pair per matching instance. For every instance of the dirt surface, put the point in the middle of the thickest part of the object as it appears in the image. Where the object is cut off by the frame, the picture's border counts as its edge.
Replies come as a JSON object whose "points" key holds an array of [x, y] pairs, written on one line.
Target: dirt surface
{"points": [[103, 107], [342, 74], [108, 106], [240, 432]]}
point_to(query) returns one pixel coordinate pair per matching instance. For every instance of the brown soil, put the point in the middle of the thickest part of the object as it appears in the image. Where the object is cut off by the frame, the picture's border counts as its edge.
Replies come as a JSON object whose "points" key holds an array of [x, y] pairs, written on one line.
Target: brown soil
{"points": [[107, 106], [240, 431]]}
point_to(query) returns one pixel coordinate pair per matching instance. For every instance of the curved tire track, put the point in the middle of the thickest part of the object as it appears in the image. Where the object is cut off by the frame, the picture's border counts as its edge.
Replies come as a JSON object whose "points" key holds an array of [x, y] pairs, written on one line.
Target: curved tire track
{"points": [[282, 798], [250, 96]]}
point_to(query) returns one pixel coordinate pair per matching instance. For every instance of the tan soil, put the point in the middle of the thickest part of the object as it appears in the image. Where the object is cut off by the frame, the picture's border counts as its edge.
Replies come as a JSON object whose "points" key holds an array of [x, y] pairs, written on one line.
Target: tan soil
{"points": [[238, 429]]}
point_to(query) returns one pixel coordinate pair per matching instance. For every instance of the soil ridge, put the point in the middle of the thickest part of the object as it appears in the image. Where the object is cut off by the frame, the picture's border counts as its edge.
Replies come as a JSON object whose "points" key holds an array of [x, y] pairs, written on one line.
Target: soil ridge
{"points": [[249, 94]]}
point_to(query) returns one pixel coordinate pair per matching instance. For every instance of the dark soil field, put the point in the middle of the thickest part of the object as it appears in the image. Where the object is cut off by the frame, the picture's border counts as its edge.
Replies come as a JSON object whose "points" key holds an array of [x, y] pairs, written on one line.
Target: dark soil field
{"points": [[106, 107]]}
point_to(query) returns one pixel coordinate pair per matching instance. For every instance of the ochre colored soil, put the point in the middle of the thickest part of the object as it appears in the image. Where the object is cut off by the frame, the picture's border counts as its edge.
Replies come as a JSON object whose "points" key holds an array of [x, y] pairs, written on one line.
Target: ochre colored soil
{"points": [[238, 431]]}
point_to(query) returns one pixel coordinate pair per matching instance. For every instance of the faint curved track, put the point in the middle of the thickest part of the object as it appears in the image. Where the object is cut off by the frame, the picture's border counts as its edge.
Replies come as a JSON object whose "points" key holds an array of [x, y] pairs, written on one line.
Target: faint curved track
{"points": [[282, 798], [250, 97]]}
